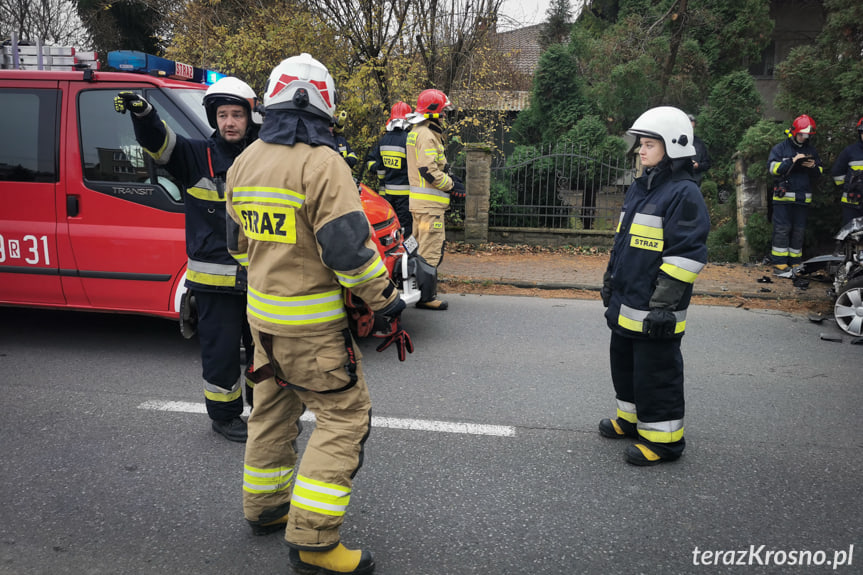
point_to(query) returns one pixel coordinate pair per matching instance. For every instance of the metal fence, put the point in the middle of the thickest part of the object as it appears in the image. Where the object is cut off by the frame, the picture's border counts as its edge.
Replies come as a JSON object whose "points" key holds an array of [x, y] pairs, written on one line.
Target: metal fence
{"points": [[560, 186]]}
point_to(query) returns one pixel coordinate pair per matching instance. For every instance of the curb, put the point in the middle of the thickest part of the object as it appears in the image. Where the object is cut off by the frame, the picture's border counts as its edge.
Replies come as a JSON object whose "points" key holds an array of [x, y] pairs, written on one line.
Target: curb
{"points": [[799, 294]]}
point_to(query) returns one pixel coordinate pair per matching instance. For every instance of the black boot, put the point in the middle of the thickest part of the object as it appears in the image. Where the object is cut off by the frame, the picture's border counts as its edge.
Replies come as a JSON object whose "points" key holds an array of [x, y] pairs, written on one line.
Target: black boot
{"points": [[617, 428], [234, 429]]}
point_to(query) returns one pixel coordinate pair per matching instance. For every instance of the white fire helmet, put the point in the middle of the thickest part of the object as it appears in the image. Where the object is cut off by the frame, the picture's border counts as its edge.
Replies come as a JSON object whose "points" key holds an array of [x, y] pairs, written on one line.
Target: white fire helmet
{"points": [[230, 90], [670, 125], [301, 83]]}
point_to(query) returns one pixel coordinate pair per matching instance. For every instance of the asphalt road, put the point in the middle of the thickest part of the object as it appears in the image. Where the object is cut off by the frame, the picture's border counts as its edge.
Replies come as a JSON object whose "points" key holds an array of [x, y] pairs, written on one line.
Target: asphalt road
{"points": [[95, 483]]}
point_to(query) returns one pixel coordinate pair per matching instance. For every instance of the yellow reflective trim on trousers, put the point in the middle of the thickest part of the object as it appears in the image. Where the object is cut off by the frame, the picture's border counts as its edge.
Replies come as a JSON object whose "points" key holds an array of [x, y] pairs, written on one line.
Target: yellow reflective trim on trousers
{"points": [[267, 195], [210, 279], [296, 310], [222, 397], [679, 273], [375, 269], [660, 436], [627, 416], [258, 480], [320, 497]]}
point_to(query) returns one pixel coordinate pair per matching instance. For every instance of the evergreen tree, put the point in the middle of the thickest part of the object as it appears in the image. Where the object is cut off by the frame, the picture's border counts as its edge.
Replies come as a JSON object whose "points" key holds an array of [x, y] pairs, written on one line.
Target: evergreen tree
{"points": [[557, 26], [824, 79]]}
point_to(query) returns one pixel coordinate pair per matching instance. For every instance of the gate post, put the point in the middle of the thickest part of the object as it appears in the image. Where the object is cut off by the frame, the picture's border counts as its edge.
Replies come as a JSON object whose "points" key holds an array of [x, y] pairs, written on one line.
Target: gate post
{"points": [[478, 191], [751, 198]]}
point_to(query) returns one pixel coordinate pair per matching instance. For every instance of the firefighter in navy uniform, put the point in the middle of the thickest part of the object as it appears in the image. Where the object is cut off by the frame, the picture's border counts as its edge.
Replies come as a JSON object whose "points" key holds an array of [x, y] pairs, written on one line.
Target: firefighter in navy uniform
{"points": [[659, 249], [430, 184], [215, 280], [295, 211], [847, 174], [794, 165], [389, 161]]}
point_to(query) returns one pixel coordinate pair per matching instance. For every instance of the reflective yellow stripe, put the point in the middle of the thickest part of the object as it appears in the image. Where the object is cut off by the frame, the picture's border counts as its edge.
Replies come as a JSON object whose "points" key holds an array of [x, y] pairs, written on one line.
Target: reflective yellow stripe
{"points": [[661, 431], [626, 411], [774, 168], [646, 231], [683, 269], [204, 194], [297, 310], [220, 394], [373, 270], [320, 497], [210, 279], [633, 319], [167, 145], [431, 198], [242, 259], [222, 397], [631, 325], [267, 195], [679, 273], [258, 480]]}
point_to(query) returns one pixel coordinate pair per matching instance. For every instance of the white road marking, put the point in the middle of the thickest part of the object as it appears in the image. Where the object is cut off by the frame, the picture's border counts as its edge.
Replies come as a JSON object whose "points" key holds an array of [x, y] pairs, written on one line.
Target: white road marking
{"points": [[388, 422]]}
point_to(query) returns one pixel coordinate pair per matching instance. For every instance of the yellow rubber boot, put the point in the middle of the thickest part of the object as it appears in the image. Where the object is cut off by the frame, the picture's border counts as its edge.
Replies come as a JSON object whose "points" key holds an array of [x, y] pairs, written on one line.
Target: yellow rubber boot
{"points": [[336, 561]]}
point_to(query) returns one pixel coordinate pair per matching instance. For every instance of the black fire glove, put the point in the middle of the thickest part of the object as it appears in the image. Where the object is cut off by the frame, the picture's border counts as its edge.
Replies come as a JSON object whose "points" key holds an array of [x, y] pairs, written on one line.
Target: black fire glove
{"points": [[132, 102], [457, 190], [660, 323], [388, 327], [605, 292]]}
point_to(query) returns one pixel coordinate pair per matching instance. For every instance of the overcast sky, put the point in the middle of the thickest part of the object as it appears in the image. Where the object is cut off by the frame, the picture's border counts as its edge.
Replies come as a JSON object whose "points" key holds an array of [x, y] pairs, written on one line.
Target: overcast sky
{"points": [[525, 12]]}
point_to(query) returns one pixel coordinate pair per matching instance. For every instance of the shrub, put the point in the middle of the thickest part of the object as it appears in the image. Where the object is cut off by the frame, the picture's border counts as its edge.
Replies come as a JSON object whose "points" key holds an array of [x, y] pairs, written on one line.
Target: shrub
{"points": [[722, 242], [759, 235]]}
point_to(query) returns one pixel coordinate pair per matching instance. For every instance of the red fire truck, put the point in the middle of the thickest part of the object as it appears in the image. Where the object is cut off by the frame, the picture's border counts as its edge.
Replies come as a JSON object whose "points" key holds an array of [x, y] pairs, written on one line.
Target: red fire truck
{"points": [[88, 221]]}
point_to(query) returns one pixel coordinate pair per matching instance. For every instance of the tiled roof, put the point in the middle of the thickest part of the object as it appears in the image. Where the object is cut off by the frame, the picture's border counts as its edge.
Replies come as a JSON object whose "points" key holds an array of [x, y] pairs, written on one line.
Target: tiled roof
{"points": [[500, 100], [522, 45]]}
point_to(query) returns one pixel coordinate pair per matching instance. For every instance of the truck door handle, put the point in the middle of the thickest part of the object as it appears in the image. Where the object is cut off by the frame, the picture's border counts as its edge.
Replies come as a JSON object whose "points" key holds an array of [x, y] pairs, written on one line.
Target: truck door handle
{"points": [[72, 207]]}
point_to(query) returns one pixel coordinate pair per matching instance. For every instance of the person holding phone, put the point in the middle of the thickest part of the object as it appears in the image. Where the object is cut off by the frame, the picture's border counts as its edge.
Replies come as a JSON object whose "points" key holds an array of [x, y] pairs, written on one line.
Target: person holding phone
{"points": [[794, 165]]}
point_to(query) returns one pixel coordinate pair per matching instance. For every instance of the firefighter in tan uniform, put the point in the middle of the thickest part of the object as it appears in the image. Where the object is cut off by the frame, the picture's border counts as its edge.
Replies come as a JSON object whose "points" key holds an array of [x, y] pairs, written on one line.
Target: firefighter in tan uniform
{"points": [[296, 218], [430, 185]]}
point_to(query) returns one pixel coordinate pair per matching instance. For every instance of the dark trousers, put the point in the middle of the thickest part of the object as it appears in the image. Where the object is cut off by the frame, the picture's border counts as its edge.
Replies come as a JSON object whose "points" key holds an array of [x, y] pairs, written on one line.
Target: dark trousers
{"points": [[222, 327], [649, 374], [789, 226], [402, 207]]}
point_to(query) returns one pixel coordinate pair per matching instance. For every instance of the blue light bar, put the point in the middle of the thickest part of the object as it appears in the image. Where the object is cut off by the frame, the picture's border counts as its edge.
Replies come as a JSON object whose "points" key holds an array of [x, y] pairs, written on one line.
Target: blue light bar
{"points": [[141, 63], [212, 77]]}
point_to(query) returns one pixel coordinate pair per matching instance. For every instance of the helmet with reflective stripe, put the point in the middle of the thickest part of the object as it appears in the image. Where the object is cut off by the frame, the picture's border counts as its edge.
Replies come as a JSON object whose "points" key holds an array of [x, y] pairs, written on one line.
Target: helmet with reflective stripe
{"points": [[803, 125], [301, 83], [230, 91], [860, 125], [398, 116], [670, 125]]}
